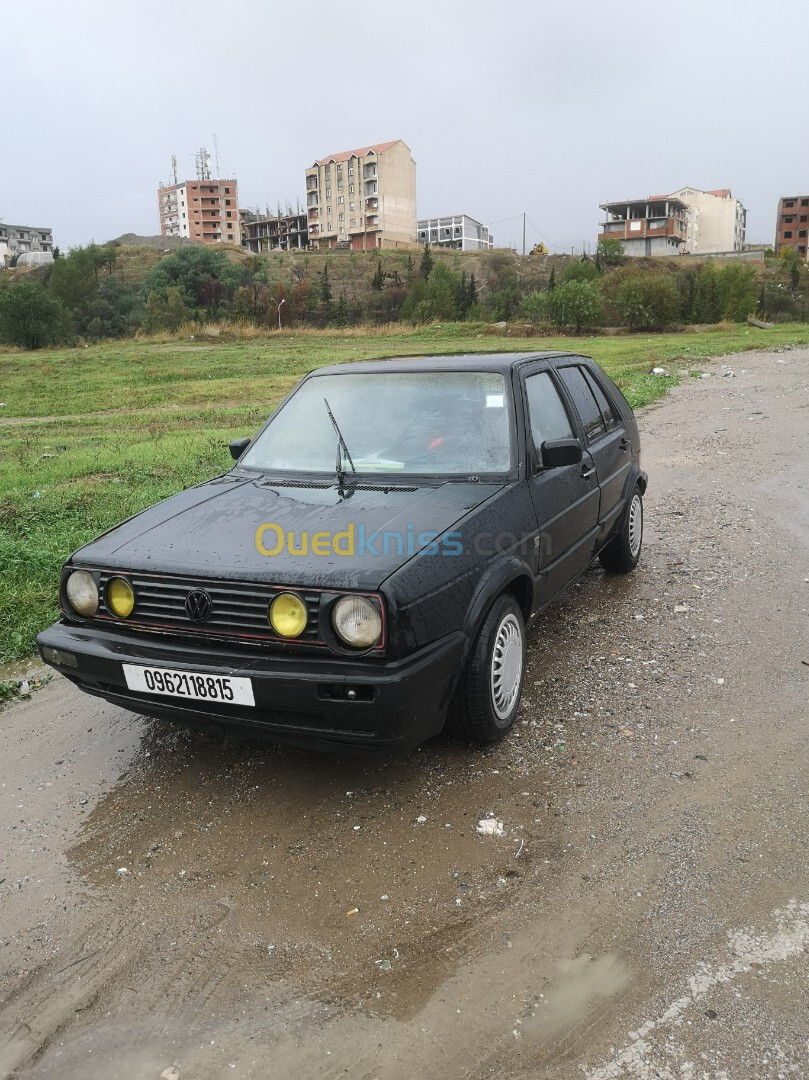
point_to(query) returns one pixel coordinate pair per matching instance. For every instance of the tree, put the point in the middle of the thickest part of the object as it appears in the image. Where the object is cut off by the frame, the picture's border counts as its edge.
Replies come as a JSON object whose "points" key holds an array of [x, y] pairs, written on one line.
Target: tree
{"points": [[737, 284], [552, 280], [575, 303], [707, 295], [378, 280], [473, 292], [341, 312], [325, 290], [73, 278], [30, 317], [645, 300], [426, 264], [205, 277], [581, 270], [165, 311], [610, 251], [535, 307], [410, 267]]}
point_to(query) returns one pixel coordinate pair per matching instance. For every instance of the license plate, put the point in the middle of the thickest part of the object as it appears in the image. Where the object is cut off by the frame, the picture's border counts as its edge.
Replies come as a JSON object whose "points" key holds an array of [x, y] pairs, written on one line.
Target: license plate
{"points": [[189, 684]]}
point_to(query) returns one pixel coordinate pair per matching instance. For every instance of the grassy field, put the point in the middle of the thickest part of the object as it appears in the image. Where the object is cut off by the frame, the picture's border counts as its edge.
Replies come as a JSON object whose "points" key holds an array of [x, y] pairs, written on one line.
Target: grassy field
{"points": [[91, 436]]}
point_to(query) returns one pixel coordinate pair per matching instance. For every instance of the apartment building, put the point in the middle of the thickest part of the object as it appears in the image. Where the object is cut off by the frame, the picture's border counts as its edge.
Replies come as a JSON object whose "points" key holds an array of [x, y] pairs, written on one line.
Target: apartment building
{"points": [[459, 231], [206, 211], [654, 226], [363, 199], [716, 221], [283, 232], [16, 240], [792, 223]]}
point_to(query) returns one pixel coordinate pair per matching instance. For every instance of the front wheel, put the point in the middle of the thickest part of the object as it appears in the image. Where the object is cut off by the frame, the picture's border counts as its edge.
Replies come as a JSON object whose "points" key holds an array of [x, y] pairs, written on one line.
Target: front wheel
{"points": [[487, 699], [623, 552]]}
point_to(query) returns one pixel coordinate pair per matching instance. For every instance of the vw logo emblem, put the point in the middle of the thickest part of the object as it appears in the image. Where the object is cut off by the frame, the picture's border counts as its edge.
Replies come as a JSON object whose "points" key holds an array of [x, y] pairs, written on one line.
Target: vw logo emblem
{"points": [[198, 606]]}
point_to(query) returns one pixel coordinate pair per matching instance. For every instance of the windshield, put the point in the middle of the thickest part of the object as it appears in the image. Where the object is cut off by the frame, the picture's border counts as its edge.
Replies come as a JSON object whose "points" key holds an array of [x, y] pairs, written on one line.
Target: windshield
{"points": [[427, 423]]}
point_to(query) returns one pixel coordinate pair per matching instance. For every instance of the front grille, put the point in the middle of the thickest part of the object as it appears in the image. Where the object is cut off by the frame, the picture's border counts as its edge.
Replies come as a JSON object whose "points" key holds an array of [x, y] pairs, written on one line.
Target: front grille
{"points": [[238, 608]]}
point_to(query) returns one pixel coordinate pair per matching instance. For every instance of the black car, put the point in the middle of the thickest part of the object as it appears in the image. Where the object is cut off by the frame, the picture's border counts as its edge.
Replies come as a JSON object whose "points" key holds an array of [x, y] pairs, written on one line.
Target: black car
{"points": [[366, 571]]}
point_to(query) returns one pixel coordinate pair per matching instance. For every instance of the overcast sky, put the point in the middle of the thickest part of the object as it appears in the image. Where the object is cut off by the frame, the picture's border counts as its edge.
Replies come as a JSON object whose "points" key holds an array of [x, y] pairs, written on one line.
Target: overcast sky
{"points": [[544, 107]]}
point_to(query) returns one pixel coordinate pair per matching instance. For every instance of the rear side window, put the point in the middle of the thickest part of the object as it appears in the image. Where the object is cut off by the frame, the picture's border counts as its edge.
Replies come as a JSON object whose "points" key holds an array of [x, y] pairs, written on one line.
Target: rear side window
{"points": [[607, 411], [586, 404], [546, 411]]}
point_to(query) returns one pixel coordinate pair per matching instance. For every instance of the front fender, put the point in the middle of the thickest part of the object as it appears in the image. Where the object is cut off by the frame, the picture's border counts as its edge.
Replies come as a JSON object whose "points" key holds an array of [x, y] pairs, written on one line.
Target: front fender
{"points": [[510, 571]]}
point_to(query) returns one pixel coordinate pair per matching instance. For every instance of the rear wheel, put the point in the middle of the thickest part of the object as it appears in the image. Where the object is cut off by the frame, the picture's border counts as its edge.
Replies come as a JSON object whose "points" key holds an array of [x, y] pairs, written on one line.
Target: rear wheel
{"points": [[487, 699], [623, 552]]}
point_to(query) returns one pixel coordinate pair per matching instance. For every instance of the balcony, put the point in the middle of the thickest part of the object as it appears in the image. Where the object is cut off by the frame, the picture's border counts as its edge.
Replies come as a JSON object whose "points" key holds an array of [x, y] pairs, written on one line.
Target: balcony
{"points": [[372, 221], [314, 230], [372, 204], [371, 188], [369, 172], [314, 214], [311, 183], [312, 200]]}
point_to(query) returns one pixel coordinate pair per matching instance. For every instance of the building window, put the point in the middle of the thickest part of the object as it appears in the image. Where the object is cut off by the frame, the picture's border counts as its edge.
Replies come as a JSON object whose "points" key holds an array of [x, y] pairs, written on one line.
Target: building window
{"points": [[328, 209], [789, 202], [350, 189], [350, 170], [228, 213], [341, 217], [804, 202], [352, 223], [329, 226], [802, 234], [328, 192], [803, 217], [227, 191], [340, 199], [788, 234]]}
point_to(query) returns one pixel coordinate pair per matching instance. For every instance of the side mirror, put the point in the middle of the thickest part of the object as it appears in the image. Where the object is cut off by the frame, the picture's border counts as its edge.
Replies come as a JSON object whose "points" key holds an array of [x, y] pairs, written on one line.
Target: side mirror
{"points": [[558, 452], [238, 447]]}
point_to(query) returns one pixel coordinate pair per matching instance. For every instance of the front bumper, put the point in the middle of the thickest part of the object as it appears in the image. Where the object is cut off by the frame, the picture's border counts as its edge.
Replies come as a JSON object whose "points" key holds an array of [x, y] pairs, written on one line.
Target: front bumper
{"points": [[298, 699]]}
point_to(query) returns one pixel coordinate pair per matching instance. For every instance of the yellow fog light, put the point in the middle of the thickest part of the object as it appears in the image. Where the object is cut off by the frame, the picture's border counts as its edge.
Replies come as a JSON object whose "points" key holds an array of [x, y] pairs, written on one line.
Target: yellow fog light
{"points": [[288, 615], [120, 597]]}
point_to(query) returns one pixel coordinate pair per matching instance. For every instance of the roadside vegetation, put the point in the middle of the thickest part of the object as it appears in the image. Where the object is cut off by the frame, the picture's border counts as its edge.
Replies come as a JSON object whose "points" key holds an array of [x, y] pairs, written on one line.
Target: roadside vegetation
{"points": [[115, 291], [93, 435]]}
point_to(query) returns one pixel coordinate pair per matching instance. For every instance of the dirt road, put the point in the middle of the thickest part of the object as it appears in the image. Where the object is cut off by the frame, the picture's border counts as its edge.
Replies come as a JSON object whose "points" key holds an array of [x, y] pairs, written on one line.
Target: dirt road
{"points": [[170, 902]]}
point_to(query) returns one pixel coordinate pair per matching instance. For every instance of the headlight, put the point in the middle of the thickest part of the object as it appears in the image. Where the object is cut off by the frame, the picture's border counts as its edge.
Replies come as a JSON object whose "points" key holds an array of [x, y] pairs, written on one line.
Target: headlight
{"points": [[82, 592], [288, 615], [357, 621], [120, 597]]}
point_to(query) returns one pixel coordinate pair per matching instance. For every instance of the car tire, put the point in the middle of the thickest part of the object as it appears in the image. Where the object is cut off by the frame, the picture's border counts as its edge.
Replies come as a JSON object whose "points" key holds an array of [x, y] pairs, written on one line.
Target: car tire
{"points": [[487, 698], [622, 553]]}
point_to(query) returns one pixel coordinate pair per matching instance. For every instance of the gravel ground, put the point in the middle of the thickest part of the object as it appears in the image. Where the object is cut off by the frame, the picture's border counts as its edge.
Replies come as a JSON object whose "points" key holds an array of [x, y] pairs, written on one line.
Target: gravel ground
{"points": [[644, 915]]}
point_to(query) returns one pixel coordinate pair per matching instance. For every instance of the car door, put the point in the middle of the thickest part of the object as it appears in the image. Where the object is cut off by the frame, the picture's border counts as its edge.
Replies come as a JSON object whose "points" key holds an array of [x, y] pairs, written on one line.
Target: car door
{"points": [[606, 437], [565, 499]]}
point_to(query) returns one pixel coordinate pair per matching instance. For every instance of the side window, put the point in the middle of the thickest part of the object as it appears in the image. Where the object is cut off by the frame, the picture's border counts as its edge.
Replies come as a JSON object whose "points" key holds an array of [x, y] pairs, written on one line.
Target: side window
{"points": [[546, 411], [586, 406], [607, 410]]}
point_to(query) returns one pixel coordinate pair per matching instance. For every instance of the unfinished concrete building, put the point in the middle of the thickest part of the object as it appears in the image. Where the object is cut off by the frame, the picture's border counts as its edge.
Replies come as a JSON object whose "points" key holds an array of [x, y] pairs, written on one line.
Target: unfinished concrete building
{"points": [[654, 226], [280, 232]]}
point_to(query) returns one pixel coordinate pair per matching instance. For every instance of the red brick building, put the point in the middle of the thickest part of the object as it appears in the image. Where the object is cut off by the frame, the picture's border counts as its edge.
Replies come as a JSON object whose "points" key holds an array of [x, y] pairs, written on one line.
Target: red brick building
{"points": [[206, 211], [792, 224]]}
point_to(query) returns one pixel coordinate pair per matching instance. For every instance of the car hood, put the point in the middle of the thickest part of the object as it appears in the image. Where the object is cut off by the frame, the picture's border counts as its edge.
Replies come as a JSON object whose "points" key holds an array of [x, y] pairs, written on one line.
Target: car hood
{"points": [[210, 531]]}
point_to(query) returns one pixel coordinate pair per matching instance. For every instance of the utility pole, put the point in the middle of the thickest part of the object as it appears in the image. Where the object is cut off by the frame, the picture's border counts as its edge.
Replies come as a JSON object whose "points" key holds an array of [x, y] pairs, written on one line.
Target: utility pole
{"points": [[523, 232]]}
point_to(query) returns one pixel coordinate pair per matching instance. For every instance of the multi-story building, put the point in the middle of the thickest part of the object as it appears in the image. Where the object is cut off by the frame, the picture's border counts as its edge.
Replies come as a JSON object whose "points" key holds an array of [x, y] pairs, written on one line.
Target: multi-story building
{"points": [[206, 211], [18, 239], [284, 232], [792, 224], [654, 226], [716, 221], [363, 199], [456, 231]]}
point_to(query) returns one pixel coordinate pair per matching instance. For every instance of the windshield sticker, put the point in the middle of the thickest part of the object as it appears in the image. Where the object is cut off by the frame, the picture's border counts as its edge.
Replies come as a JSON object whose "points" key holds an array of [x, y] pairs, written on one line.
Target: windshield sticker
{"points": [[494, 401]]}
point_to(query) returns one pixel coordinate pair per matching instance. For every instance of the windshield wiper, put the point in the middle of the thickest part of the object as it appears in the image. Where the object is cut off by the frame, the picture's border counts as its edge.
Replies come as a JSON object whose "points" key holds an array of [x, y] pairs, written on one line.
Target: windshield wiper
{"points": [[341, 448]]}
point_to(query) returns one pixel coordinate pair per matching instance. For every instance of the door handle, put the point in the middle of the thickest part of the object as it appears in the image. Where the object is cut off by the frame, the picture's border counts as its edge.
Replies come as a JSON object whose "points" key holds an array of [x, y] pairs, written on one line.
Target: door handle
{"points": [[587, 473], [624, 444]]}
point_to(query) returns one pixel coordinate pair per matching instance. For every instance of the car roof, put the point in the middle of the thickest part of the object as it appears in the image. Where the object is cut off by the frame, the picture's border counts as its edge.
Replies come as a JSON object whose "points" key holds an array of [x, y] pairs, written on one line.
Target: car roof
{"points": [[502, 361]]}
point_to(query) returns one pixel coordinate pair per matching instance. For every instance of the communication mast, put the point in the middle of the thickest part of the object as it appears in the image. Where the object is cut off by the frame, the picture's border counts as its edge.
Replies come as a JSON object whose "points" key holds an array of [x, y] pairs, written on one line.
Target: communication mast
{"points": [[174, 168], [203, 163]]}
